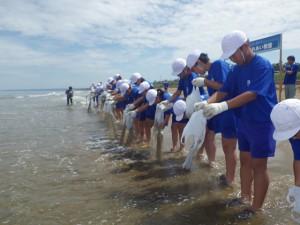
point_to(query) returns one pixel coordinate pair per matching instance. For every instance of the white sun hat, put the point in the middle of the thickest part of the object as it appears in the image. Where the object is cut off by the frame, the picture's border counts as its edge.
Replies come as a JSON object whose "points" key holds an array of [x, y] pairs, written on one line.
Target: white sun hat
{"points": [[134, 77], [123, 88], [178, 66], [144, 86], [151, 96], [232, 42], [192, 58], [179, 109], [110, 79], [286, 119], [119, 82], [117, 76]]}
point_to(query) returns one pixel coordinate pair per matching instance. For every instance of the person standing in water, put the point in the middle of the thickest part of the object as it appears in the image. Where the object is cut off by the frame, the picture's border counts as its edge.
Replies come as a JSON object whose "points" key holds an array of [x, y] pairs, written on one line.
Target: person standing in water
{"points": [[250, 90], [69, 94]]}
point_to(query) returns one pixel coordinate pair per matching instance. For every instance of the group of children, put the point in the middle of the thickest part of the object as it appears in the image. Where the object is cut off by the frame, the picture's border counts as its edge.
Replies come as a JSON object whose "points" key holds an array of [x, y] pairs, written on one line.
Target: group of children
{"points": [[239, 102]]}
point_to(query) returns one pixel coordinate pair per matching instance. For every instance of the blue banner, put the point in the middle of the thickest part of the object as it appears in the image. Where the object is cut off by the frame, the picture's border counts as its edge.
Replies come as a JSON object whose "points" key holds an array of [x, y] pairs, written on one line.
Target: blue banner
{"points": [[266, 44]]}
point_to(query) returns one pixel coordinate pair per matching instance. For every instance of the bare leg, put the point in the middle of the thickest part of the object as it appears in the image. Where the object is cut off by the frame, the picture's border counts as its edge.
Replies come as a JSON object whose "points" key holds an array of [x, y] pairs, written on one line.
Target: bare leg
{"points": [[210, 145], [261, 182], [180, 130], [297, 172], [174, 135], [148, 125], [246, 175], [229, 146]]}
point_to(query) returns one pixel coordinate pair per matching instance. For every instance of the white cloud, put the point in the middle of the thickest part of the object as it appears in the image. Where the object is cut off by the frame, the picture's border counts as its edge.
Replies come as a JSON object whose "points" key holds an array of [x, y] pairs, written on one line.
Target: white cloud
{"points": [[144, 35]]}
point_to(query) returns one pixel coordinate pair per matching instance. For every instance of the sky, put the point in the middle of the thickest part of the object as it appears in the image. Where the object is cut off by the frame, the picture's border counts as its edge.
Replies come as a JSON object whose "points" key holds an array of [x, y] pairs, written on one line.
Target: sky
{"points": [[57, 43]]}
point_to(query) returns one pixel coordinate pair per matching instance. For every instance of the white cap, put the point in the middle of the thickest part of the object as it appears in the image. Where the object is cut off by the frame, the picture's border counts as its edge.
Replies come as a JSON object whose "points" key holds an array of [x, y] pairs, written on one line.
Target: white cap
{"points": [[192, 58], [178, 66], [151, 96], [286, 119], [123, 88], [144, 86], [119, 82], [117, 76], [179, 109], [110, 79], [134, 77], [231, 42]]}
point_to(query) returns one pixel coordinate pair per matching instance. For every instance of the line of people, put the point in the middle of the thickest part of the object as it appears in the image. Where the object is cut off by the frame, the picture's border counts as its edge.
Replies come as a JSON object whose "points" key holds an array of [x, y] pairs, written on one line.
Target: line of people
{"points": [[237, 101]]}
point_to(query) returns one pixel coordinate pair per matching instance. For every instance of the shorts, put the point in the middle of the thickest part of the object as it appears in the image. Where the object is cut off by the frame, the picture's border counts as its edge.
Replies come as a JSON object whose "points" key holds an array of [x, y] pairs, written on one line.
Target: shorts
{"points": [[141, 116], [295, 143], [256, 138], [184, 120], [224, 123], [121, 105]]}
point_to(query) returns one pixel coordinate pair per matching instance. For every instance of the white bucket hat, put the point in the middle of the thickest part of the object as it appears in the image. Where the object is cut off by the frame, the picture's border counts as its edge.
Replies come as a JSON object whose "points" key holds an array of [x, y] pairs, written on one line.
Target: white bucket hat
{"points": [[286, 119], [117, 76], [110, 79], [179, 109], [134, 77], [192, 58], [151, 96], [123, 88], [143, 87], [232, 42], [178, 66]]}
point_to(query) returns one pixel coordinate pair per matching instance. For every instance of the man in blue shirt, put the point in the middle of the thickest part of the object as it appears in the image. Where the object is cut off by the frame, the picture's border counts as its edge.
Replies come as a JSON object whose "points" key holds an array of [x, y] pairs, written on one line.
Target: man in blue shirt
{"points": [[224, 123], [291, 70], [251, 92]]}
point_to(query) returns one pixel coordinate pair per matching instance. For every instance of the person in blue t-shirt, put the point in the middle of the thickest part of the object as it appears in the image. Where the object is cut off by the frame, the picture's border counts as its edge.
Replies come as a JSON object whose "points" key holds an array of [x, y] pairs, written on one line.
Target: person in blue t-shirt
{"points": [[185, 82], [250, 90], [224, 123], [286, 119], [291, 70]]}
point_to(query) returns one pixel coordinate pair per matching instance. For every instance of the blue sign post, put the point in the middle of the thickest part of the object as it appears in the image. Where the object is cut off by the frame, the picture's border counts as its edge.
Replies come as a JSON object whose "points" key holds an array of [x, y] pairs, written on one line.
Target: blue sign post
{"points": [[269, 44]]}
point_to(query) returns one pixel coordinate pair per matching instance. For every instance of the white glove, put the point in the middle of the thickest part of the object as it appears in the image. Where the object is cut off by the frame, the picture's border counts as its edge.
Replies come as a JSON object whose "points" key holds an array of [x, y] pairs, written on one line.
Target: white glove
{"points": [[132, 114], [211, 110], [198, 82], [165, 102], [164, 107], [199, 105], [131, 106]]}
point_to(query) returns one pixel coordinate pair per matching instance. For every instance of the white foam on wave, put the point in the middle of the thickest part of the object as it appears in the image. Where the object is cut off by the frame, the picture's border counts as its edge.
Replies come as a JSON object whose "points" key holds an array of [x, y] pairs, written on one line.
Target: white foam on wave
{"points": [[45, 95], [20, 97]]}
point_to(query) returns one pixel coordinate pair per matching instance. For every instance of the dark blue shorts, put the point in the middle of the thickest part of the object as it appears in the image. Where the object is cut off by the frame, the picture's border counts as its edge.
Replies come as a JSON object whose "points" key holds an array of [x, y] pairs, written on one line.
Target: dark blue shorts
{"points": [[256, 138], [224, 123], [121, 105], [141, 116], [184, 120], [295, 143]]}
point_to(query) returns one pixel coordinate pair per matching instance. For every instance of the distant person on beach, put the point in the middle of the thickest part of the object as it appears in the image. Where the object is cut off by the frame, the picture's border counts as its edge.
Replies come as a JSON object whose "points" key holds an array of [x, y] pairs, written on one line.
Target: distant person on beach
{"points": [[69, 94], [250, 90], [291, 70]]}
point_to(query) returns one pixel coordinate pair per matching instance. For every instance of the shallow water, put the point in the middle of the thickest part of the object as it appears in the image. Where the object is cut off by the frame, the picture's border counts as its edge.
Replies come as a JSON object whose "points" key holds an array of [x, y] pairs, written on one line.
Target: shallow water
{"points": [[62, 165]]}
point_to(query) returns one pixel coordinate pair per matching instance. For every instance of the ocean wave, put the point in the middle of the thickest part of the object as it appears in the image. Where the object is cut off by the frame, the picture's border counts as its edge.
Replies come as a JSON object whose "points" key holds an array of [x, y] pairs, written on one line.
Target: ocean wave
{"points": [[45, 95]]}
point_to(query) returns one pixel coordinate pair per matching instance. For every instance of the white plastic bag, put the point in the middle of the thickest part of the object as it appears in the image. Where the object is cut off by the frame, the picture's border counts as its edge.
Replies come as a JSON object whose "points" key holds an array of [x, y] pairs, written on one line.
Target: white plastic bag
{"points": [[293, 199], [191, 100], [159, 116], [193, 135]]}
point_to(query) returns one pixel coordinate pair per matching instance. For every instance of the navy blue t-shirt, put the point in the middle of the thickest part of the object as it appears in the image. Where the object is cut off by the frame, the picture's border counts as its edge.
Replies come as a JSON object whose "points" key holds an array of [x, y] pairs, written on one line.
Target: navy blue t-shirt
{"points": [[218, 72], [291, 78], [134, 94], [258, 77]]}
